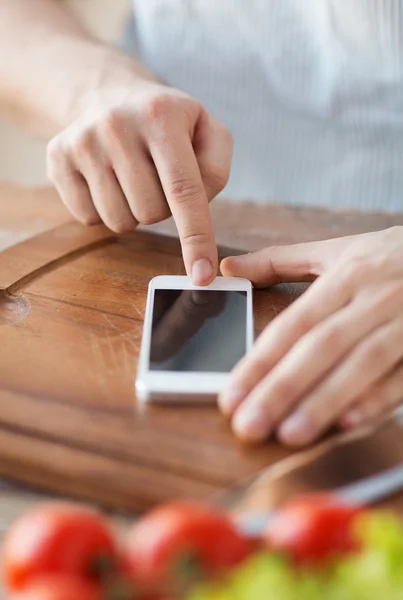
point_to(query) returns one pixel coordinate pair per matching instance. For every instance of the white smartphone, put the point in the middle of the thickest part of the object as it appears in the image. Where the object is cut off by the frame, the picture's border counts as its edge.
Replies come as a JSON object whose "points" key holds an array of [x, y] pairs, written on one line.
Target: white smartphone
{"points": [[193, 337]]}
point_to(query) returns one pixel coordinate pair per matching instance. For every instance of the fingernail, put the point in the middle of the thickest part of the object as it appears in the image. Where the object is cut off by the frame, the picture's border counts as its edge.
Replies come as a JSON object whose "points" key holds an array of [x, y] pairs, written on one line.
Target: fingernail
{"points": [[202, 272], [231, 399], [240, 260], [249, 423], [296, 429]]}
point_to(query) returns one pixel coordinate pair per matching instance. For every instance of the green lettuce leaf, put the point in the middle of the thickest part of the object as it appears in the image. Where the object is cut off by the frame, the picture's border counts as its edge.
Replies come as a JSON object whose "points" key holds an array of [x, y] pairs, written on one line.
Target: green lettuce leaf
{"points": [[375, 573]]}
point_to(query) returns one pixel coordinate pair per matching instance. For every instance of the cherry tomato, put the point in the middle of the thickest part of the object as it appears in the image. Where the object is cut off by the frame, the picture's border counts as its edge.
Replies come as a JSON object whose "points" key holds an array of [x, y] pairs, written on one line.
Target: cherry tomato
{"points": [[58, 587], [313, 529], [57, 538], [179, 543]]}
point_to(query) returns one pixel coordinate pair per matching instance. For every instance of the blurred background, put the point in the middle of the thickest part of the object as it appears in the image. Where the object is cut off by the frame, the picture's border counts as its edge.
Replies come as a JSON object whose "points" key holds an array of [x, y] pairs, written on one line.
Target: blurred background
{"points": [[22, 158]]}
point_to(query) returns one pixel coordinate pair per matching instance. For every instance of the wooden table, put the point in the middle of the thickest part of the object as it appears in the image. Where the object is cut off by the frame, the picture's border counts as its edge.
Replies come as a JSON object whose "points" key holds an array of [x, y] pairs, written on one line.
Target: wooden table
{"points": [[192, 450]]}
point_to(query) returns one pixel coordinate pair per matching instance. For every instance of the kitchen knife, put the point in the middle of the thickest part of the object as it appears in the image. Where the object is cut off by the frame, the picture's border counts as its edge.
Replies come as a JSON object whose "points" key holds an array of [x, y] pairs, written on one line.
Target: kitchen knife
{"points": [[367, 491], [362, 466]]}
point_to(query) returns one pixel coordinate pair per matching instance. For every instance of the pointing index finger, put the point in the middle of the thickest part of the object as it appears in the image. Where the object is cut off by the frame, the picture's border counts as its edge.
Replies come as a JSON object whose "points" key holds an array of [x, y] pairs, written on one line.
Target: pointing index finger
{"points": [[180, 177]]}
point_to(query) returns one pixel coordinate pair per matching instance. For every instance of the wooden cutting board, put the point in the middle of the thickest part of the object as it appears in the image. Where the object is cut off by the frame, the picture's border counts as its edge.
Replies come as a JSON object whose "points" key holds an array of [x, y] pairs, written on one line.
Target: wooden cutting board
{"points": [[72, 302]]}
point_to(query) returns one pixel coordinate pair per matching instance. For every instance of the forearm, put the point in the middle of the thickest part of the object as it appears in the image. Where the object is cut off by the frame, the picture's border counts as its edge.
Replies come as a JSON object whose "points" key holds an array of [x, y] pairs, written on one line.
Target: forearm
{"points": [[51, 68]]}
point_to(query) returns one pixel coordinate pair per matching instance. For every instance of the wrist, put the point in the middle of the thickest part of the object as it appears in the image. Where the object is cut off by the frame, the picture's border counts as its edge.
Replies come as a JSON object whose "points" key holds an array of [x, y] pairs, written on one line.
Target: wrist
{"points": [[111, 75]]}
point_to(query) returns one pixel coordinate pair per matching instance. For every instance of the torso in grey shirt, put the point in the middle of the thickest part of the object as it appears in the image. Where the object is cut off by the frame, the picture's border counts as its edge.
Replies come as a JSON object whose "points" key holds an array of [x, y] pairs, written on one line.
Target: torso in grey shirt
{"points": [[312, 91]]}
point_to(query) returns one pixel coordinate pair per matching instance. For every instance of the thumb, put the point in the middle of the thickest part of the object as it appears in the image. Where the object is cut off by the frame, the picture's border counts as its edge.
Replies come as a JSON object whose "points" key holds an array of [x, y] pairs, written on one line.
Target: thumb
{"points": [[279, 264]]}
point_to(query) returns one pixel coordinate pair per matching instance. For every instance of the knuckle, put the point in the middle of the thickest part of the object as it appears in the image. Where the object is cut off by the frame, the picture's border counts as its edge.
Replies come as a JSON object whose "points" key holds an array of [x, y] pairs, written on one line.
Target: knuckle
{"points": [[82, 143], [331, 340], [112, 124], [285, 389], [195, 239], [387, 295], [256, 367], [185, 190], [302, 322], [157, 108], [55, 157], [250, 369], [376, 354], [355, 271]]}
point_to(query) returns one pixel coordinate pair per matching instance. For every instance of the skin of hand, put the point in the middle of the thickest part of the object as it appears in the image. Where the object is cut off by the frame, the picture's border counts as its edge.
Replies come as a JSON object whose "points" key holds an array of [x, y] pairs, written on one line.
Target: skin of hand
{"points": [[126, 149], [146, 153], [335, 356], [177, 323]]}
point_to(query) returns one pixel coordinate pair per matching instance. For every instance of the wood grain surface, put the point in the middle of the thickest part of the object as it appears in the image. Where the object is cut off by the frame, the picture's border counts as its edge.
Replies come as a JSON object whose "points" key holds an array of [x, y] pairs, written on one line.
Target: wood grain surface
{"points": [[72, 303]]}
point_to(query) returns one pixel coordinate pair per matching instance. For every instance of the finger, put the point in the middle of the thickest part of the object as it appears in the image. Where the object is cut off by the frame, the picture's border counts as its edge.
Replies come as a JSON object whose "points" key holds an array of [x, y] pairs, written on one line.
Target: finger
{"points": [[381, 400], [327, 295], [182, 321], [180, 177], [371, 360], [308, 361], [212, 143], [76, 196], [300, 262], [110, 201], [137, 176], [143, 190], [71, 186], [106, 192], [92, 161]]}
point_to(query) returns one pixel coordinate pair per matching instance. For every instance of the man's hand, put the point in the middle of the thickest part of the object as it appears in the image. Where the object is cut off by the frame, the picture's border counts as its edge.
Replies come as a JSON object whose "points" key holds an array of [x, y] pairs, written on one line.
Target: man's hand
{"points": [[336, 354], [130, 149], [137, 158]]}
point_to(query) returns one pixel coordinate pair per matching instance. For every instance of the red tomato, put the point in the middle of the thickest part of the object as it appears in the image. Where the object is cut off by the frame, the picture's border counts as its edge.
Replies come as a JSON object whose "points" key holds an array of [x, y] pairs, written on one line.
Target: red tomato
{"points": [[58, 587], [57, 538], [178, 543], [313, 529]]}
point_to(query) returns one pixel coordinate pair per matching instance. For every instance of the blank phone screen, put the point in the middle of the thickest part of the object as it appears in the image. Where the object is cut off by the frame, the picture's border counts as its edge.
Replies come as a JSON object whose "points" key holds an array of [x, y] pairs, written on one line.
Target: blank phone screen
{"points": [[198, 330]]}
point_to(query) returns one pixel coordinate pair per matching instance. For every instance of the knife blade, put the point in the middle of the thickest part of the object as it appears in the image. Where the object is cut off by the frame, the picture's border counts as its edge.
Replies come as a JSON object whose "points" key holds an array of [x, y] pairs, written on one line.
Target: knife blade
{"points": [[367, 491]]}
